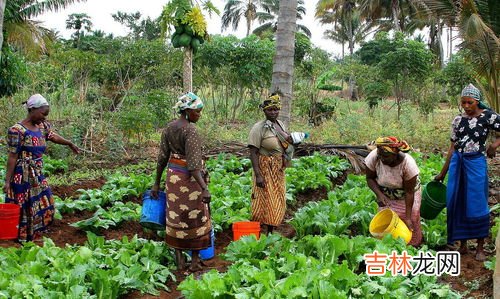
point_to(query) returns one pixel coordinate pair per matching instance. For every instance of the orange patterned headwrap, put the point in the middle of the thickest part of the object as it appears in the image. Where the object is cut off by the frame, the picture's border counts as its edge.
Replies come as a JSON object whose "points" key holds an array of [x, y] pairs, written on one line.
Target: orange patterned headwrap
{"points": [[392, 144]]}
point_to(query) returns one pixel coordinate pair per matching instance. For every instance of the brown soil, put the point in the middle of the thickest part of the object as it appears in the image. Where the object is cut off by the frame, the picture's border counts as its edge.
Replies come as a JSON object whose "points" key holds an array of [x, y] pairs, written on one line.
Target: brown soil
{"points": [[70, 191]]}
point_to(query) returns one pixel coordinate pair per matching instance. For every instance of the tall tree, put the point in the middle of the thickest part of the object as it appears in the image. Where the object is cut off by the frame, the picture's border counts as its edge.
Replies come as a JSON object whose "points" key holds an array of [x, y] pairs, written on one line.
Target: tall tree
{"points": [[182, 15], [267, 17], [478, 26], [2, 10], [25, 33], [283, 63], [234, 10], [391, 14], [146, 29], [345, 13], [80, 22]]}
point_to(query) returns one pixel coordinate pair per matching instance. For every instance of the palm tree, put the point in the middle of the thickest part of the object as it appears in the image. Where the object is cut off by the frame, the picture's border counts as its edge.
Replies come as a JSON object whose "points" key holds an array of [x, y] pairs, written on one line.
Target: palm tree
{"points": [[282, 77], [235, 9], [478, 26], [391, 14], [345, 13], [25, 33], [267, 17]]}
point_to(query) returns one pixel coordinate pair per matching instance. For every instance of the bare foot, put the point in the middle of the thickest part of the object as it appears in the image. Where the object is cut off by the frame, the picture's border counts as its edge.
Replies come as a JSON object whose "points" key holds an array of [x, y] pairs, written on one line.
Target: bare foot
{"points": [[463, 250], [180, 260], [480, 256], [195, 267]]}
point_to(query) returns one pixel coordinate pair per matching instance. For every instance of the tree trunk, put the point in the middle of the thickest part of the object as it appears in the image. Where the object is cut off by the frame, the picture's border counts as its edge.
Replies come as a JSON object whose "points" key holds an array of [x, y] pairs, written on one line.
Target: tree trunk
{"points": [[395, 15], [187, 70], [2, 9], [450, 42], [282, 78]]}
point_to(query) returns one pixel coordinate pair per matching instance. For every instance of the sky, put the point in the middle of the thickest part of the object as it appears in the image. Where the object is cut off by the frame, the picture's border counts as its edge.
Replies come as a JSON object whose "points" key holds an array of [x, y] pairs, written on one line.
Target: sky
{"points": [[100, 12]]}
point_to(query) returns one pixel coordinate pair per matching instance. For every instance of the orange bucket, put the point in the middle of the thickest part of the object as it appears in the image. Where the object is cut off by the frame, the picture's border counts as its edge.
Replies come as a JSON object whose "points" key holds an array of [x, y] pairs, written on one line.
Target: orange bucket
{"points": [[245, 228], [9, 221]]}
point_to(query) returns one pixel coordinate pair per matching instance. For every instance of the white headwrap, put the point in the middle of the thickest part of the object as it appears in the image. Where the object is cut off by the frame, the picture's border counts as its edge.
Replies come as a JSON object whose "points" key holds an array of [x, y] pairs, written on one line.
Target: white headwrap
{"points": [[188, 101], [36, 101]]}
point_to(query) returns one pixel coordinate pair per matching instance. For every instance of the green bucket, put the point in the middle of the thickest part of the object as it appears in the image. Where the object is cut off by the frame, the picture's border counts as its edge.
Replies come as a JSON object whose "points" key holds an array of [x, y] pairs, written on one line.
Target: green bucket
{"points": [[433, 200]]}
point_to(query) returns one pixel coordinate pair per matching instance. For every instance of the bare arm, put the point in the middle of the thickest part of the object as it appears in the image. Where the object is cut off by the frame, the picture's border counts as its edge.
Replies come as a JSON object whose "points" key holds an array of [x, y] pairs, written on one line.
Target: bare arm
{"points": [[444, 170], [254, 157], [11, 164], [373, 185], [492, 149], [161, 163], [409, 187], [56, 138]]}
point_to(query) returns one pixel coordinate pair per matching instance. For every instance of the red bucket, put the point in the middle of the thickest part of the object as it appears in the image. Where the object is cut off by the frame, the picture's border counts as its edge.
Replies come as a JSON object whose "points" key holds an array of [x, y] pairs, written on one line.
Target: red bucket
{"points": [[245, 228], [9, 221]]}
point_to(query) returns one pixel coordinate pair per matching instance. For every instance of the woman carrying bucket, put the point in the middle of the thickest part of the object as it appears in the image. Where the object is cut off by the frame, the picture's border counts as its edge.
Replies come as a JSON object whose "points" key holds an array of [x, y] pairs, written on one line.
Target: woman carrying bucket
{"points": [[188, 224], [467, 190], [271, 148], [25, 185], [392, 175]]}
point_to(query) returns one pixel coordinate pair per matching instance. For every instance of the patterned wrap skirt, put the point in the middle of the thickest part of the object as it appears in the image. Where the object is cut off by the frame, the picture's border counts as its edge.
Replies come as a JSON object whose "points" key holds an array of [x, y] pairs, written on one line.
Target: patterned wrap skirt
{"points": [[188, 217], [269, 203], [399, 206]]}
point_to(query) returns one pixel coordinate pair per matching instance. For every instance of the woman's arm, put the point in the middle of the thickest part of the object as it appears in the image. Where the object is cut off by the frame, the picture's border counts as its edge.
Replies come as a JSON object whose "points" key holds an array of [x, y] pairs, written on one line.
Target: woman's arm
{"points": [[492, 149], [440, 177], [56, 138], [373, 185], [409, 187], [11, 164], [254, 157], [161, 163]]}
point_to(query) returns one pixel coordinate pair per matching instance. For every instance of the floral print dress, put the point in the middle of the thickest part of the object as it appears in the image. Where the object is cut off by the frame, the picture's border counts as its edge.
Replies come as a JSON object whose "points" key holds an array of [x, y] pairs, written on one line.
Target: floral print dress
{"points": [[29, 188], [470, 133]]}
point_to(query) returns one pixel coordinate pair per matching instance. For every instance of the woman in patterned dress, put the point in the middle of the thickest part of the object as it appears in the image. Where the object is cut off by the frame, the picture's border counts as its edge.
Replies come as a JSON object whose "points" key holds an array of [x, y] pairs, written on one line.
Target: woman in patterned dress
{"points": [[467, 190], [392, 175], [267, 141], [188, 223], [25, 184]]}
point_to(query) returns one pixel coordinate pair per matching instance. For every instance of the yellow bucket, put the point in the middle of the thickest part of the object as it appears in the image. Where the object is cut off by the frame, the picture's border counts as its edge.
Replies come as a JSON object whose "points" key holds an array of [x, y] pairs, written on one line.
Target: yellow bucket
{"points": [[388, 222]]}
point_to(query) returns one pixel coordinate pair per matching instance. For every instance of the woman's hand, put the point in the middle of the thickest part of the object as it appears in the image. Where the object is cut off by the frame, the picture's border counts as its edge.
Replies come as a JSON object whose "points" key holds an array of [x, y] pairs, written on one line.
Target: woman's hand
{"points": [[154, 191], [259, 181], [383, 199], [409, 224], [74, 148], [491, 151], [6, 188], [206, 196], [439, 177]]}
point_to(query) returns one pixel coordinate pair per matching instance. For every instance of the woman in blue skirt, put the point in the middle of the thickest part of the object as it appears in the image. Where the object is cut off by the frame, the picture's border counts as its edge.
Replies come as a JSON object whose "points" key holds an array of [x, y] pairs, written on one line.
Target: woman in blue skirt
{"points": [[25, 184], [467, 191]]}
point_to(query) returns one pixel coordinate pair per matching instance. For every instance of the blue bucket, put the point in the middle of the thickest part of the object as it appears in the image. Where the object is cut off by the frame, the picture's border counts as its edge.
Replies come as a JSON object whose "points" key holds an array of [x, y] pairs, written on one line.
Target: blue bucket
{"points": [[208, 253], [153, 211]]}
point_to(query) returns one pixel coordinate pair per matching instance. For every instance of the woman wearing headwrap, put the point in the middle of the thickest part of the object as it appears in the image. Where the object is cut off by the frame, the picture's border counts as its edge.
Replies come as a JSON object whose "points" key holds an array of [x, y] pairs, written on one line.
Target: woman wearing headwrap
{"points": [[188, 223], [25, 185], [268, 152], [392, 175], [467, 190]]}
